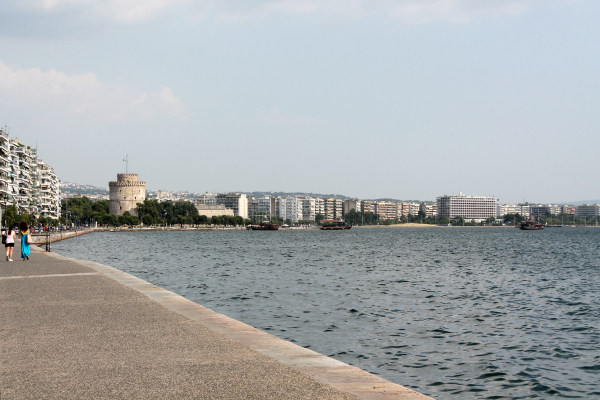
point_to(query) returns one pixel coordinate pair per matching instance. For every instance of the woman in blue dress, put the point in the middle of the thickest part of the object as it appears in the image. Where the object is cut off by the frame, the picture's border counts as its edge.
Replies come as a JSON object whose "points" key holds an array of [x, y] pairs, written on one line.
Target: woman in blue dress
{"points": [[24, 240]]}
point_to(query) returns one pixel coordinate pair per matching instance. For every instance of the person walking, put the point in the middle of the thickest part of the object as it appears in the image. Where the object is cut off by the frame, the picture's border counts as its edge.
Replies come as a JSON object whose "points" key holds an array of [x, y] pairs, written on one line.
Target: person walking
{"points": [[25, 240], [9, 242]]}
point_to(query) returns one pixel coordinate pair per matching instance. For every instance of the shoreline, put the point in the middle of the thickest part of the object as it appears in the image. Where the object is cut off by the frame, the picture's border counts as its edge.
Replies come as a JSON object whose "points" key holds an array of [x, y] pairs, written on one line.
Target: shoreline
{"points": [[40, 239], [326, 370]]}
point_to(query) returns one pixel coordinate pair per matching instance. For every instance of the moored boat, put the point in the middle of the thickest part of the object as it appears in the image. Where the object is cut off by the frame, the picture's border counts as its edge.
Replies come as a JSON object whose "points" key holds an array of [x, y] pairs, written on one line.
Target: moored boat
{"points": [[334, 225], [531, 226], [263, 226]]}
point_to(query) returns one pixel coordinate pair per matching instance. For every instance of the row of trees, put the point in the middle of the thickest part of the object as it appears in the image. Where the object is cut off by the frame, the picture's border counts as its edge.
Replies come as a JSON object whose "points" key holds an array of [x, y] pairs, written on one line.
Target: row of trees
{"points": [[549, 219], [10, 217], [83, 211], [152, 212]]}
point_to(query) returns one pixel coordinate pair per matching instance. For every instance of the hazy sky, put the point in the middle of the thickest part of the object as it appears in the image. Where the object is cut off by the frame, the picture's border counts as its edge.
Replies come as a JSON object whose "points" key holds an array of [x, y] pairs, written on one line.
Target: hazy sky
{"points": [[409, 99]]}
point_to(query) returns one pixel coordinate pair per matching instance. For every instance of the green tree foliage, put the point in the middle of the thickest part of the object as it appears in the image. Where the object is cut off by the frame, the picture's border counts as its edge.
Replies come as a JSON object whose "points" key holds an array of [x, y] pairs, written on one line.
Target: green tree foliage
{"points": [[443, 220], [360, 218], [128, 219], [79, 209], [174, 213], [10, 217], [147, 219], [319, 217]]}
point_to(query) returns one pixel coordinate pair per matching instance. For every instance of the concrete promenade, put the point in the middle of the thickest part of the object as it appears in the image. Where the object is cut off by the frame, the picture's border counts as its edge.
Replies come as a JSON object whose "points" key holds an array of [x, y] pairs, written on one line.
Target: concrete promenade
{"points": [[74, 329]]}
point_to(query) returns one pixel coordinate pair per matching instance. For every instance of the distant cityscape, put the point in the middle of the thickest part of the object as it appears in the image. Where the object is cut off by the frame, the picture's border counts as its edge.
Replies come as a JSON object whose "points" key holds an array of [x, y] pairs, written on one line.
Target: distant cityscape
{"points": [[31, 186], [296, 207]]}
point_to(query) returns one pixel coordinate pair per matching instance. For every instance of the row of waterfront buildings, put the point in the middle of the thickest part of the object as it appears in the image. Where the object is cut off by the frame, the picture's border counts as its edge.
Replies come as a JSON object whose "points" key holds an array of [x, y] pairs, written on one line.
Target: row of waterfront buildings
{"points": [[26, 182], [306, 208]]}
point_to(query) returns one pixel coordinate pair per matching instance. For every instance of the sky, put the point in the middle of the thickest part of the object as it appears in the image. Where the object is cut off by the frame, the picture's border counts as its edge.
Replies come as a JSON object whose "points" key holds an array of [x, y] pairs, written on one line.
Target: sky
{"points": [[405, 99]]}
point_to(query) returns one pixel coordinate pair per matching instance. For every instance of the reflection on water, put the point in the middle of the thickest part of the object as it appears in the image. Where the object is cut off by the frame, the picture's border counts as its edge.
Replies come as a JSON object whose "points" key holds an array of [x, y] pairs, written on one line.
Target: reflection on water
{"points": [[452, 313]]}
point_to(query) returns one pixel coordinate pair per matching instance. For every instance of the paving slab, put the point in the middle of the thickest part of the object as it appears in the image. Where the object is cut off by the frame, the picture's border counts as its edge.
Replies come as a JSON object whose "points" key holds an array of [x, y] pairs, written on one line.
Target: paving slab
{"points": [[74, 329]]}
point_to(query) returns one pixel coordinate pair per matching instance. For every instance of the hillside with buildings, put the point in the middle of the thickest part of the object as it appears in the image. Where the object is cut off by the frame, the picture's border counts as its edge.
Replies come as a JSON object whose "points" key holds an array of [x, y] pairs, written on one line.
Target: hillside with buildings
{"points": [[310, 207]]}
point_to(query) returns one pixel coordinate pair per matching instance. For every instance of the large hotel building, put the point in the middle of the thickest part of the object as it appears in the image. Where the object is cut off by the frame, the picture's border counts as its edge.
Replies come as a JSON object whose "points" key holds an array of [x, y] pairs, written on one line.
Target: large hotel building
{"points": [[478, 208]]}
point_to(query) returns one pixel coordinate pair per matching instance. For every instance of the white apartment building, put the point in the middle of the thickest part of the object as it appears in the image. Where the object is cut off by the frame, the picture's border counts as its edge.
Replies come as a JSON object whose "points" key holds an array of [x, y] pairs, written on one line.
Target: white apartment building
{"points": [[567, 209], [288, 207], [238, 202], [408, 208], [387, 210], [299, 208], [540, 210], [430, 209], [308, 207], [319, 206], [503, 209], [588, 210], [26, 182], [259, 208], [369, 206], [210, 199], [477, 208], [49, 191], [5, 170]]}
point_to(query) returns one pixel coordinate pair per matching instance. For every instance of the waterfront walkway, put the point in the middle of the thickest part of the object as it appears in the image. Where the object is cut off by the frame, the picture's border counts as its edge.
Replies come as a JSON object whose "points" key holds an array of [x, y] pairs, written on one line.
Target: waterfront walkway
{"points": [[79, 330]]}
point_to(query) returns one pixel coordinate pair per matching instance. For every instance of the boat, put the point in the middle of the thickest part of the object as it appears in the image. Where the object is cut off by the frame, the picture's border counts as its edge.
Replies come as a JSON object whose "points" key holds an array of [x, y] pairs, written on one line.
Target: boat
{"points": [[531, 226], [333, 225], [263, 226]]}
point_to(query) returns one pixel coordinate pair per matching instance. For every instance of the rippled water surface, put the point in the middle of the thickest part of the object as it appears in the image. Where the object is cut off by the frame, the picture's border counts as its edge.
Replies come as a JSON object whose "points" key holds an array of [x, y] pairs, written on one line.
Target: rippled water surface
{"points": [[453, 313]]}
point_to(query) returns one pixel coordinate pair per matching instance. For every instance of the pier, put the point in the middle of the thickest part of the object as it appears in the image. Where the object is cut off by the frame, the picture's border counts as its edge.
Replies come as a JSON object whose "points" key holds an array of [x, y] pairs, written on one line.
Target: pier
{"points": [[78, 329]]}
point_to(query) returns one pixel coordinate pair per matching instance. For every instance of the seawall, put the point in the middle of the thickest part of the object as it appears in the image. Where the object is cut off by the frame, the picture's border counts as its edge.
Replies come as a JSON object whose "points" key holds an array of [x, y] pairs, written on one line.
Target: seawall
{"points": [[40, 238], [90, 330]]}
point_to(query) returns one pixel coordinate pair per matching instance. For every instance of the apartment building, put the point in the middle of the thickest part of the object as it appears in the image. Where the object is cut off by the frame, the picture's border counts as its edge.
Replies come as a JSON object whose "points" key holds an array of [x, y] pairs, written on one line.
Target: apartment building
{"points": [[504, 209], [387, 210], [210, 199], [307, 208], [49, 191], [477, 208], [588, 210], [5, 170], [408, 208], [259, 208], [319, 206], [430, 209], [569, 210], [238, 202], [369, 206], [351, 204], [541, 210], [26, 182], [329, 205]]}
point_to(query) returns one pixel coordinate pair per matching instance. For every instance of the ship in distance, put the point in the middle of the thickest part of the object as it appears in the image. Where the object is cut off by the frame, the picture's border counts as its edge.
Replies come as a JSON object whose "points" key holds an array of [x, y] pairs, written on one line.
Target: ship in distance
{"points": [[333, 225], [263, 226], [531, 226]]}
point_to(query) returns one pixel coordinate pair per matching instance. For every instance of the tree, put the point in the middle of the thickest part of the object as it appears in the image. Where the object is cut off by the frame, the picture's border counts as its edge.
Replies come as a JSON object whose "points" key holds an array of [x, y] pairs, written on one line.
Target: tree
{"points": [[319, 217], [10, 216], [109, 219], [147, 219]]}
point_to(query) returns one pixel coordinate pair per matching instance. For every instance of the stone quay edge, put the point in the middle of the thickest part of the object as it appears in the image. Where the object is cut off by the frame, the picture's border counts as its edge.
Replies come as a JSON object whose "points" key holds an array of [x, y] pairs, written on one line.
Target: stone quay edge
{"points": [[80, 329]]}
